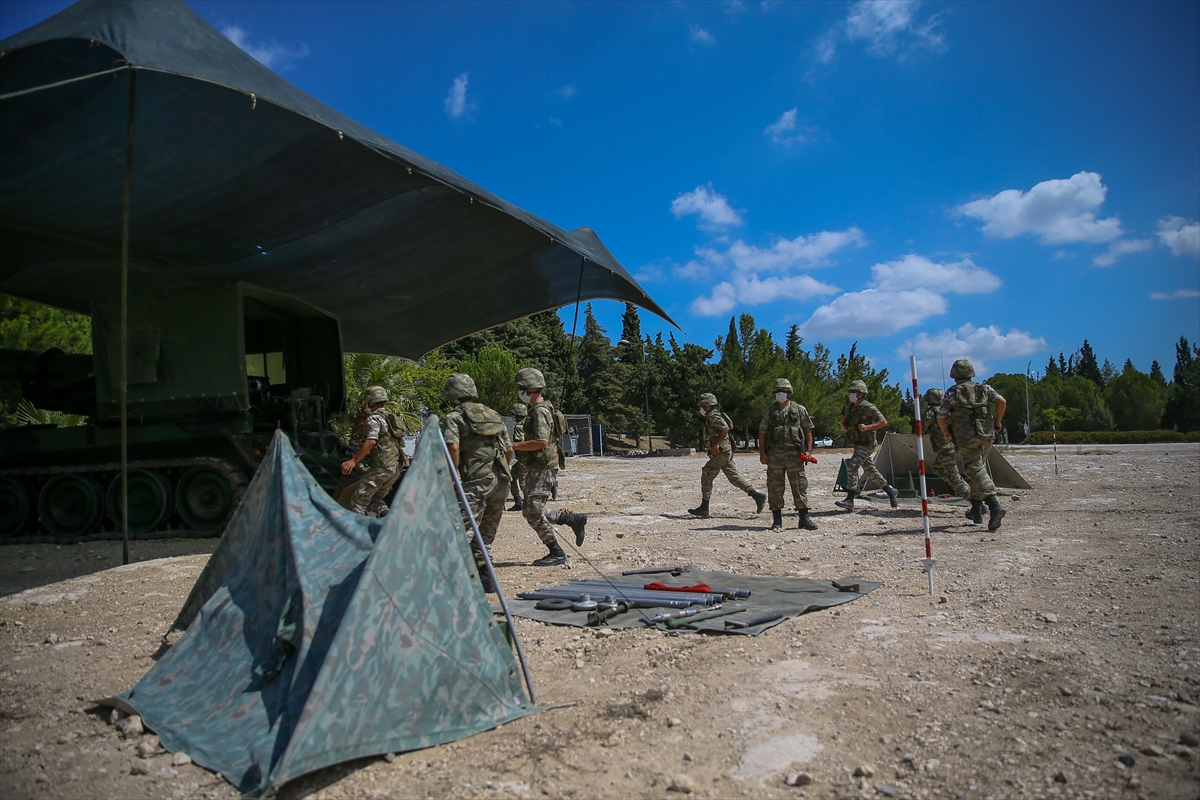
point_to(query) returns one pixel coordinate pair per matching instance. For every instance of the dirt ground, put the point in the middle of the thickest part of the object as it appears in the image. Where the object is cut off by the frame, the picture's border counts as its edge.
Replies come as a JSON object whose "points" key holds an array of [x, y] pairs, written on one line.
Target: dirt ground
{"points": [[1058, 656]]}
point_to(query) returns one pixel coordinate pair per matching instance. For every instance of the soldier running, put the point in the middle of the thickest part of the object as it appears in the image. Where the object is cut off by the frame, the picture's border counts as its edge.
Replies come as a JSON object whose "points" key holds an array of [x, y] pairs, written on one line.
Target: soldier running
{"points": [[966, 411], [784, 435], [517, 470], [385, 433], [720, 450], [860, 420], [944, 465]]}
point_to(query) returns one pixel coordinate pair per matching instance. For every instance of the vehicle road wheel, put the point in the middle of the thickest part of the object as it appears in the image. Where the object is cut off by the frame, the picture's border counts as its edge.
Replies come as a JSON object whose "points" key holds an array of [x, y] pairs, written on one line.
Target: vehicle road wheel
{"points": [[14, 507], [71, 505], [149, 500], [204, 498]]}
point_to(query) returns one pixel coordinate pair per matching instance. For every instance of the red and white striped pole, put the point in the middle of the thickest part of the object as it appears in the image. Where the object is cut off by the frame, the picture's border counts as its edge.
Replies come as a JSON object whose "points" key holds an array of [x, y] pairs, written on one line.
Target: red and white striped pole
{"points": [[929, 559]]}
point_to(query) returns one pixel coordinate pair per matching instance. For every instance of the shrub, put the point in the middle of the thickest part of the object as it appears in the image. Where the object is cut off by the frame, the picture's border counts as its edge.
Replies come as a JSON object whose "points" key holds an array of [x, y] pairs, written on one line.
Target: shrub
{"points": [[1111, 437]]}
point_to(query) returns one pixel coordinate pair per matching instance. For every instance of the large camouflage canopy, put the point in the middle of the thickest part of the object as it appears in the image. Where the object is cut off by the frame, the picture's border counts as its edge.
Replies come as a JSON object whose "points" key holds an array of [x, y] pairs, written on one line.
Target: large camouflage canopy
{"points": [[240, 176], [316, 636]]}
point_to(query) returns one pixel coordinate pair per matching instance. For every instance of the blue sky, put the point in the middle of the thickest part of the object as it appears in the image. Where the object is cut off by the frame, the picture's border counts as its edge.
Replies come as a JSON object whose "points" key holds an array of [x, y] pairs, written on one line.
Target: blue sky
{"points": [[991, 180]]}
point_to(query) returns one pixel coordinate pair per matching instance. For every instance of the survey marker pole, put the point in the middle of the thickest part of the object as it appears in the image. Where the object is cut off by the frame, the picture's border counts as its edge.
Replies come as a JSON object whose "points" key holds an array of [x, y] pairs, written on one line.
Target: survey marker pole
{"points": [[929, 559]]}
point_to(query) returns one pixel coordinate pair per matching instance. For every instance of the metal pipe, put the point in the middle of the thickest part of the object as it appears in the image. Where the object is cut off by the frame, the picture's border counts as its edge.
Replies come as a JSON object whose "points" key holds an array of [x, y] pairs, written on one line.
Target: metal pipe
{"points": [[487, 560], [575, 592], [124, 379], [635, 603], [592, 588], [725, 590]]}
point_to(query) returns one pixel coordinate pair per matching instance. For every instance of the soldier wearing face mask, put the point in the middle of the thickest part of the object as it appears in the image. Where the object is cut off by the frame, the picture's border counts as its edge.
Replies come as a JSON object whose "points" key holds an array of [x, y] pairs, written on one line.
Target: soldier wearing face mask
{"points": [[720, 451], [784, 434], [860, 420]]}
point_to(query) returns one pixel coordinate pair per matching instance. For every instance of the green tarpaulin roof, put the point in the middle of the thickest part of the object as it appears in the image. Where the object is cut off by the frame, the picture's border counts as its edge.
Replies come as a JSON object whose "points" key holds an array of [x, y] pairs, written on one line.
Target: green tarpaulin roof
{"points": [[240, 176]]}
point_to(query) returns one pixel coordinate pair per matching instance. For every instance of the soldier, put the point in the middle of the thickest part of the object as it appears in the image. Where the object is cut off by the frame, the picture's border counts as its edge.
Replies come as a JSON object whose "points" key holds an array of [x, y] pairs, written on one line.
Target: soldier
{"points": [[944, 464], [966, 411], [860, 420], [720, 451], [517, 469], [784, 434], [480, 449], [538, 452], [383, 443]]}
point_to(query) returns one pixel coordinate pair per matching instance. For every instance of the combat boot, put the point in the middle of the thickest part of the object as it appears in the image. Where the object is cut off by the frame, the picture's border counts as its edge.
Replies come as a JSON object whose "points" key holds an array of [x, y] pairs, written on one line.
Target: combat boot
{"points": [[975, 512], [555, 557], [518, 505], [760, 499], [806, 524], [777, 520], [997, 512], [848, 503], [893, 495], [485, 580], [700, 510], [575, 522]]}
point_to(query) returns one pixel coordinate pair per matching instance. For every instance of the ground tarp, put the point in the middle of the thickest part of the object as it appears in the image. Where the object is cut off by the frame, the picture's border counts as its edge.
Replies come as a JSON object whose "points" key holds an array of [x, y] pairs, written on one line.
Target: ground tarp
{"points": [[308, 644], [897, 455], [790, 597]]}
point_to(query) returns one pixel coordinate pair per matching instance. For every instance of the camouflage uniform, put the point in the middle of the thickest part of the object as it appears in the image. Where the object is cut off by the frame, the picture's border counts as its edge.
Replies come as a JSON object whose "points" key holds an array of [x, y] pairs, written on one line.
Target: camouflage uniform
{"points": [[483, 445], [944, 464], [541, 471], [967, 409], [714, 423], [864, 443], [517, 470], [783, 428], [384, 471]]}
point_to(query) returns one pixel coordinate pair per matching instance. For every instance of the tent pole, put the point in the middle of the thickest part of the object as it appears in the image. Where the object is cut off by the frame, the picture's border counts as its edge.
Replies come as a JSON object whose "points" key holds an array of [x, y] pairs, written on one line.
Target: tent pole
{"points": [[487, 560], [124, 389], [929, 559]]}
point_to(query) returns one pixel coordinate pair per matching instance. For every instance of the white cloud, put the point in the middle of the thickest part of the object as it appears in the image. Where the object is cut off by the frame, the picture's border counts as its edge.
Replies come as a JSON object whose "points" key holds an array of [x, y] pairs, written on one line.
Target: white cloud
{"points": [[1178, 294], [1181, 235], [872, 313], [977, 344], [566, 92], [1058, 211], [269, 55], [712, 208], [886, 27], [752, 291], [458, 105], [1120, 248], [785, 254], [784, 131], [913, 271], [701, 36]]}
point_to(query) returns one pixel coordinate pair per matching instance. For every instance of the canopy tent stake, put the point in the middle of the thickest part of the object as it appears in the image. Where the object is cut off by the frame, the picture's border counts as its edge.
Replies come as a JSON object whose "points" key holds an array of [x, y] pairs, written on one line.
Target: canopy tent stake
{"points": [[125, 324], [929, 560]]}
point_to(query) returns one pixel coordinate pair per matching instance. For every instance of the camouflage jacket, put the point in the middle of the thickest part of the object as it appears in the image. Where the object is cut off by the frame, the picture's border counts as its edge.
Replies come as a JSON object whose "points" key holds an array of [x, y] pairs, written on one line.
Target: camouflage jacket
{"points": [[539, 426], [929, 425], [714, 423], [387, 429], [482, 440], [863, 413], [967, 407], [784, 426]]}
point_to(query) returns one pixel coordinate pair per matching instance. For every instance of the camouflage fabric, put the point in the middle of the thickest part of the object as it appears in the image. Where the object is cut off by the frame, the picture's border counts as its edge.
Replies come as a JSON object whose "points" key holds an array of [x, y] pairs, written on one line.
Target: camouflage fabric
{"points": [[714, 423], [944, 463], [783, 463], [784, 426], [308, 644], [482, 440], [387, 430], [538, 485], [863, 413], [539, 425], [861, 459], [372, 488], [721, 462], [974, 452], [486, 498], [967, 408]]}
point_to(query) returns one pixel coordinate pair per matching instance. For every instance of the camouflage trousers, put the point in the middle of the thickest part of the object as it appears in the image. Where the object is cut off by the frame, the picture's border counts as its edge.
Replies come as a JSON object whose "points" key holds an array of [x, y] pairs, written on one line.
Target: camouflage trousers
{"points": [[371, 489], [862, 460], [974, 452], [518, 479], [486, 498], [783, 463], [946, 468], [538, 485], [721, 462]]}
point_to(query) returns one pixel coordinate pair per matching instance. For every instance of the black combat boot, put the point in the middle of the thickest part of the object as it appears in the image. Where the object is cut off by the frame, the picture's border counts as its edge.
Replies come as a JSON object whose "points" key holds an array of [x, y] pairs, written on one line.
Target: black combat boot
{"points": [[575, 522], [997, 512], [777, 520], [485, 580], [760, 499], [806, 524], [555, 557], [848, 503], [975, 512], [518, 505], [700, 510], [893, 495]]}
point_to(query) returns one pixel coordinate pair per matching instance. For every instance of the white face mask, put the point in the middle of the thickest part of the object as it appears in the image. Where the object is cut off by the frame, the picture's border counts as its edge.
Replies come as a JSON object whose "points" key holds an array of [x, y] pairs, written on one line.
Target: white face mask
{"points": [[702, 412], [524, 395], [854, 397], [781, 397]]}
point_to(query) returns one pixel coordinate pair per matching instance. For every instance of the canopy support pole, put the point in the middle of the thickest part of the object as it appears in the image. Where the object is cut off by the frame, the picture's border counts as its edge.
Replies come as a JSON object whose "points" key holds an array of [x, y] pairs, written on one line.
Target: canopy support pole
{"points": [[125, 324], [929, 559], [487, 561]]}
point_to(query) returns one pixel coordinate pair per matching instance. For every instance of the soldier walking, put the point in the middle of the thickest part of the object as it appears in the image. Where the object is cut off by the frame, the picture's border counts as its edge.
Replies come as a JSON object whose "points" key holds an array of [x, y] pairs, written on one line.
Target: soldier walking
{"points": [[517, 470], [385, 433], [944, 465], [784, 435], [860, 420], [480, 449], [720, 450], [538, 452], [966, 411]]}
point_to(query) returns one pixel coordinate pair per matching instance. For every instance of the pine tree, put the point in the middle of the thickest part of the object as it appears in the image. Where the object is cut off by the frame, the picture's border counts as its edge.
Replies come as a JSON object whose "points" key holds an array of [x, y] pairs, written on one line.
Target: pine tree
{"points": [[1157, 373], [1087, 366]]}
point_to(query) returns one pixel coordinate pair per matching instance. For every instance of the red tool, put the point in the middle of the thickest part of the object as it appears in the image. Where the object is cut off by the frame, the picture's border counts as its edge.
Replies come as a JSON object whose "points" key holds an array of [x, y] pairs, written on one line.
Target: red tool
{"points": [[659, 586], [807, 458]]}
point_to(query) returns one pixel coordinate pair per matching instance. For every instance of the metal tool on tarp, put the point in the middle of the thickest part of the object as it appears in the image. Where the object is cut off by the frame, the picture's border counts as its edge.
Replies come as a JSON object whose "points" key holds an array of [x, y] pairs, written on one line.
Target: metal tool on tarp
{"points": [[601, 616], [655, 571], [675, 624], [761, 618], [658, 586]]}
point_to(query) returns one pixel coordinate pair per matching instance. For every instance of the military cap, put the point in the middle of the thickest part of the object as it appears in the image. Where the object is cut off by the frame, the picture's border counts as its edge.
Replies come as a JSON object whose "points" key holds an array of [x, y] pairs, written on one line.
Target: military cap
{"points": [[858, 386], [933, 396], [708, 399], [962, 370], [782, 385], [518, 411], [530, 378], [460, 386], [375, 394]]}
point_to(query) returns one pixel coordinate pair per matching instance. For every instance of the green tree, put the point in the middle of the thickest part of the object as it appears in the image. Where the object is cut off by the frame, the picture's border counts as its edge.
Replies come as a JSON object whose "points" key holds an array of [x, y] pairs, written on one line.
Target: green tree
{"points": [[414, 387], [688, 374], [886, 397], [1157, 374], [602, 379], [1011, 386], [493, 369], [1087, 366], [32, 326], [750, 363], [1137, 401], [1183, 400], [535, 341]]}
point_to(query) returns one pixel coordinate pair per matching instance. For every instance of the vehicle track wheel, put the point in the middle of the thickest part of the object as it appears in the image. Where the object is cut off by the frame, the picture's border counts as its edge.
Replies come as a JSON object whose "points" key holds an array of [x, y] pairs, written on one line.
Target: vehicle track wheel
{"points": [[71, 505], [204, 498], [14, 507], [149, 500]]}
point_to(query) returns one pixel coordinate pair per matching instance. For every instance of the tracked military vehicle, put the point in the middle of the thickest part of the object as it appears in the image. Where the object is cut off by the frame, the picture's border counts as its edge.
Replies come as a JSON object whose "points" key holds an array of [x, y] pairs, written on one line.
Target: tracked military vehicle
{"points": [[213, 372]]}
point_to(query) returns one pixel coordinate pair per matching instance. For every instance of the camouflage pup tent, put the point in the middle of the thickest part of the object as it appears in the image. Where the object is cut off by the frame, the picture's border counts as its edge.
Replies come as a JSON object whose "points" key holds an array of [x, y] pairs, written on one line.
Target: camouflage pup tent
{"points": [[897, 455], [316, 636]]}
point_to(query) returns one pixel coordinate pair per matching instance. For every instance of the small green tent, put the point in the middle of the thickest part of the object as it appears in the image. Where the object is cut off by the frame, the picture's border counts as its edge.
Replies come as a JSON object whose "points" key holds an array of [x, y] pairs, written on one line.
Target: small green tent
{"points": [[316, 636]]}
